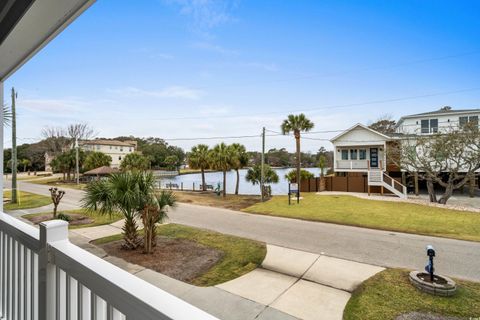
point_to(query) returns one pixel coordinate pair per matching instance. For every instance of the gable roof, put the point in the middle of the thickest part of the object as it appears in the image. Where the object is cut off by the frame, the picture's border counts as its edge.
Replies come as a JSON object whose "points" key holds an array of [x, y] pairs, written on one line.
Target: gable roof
{"points": [[106, 142], [101, 171], [359, 125]]}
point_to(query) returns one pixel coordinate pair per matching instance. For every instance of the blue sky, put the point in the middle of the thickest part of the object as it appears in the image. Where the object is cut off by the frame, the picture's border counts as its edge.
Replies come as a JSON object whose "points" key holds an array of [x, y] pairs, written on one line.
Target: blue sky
{"points": [[203, 68]]}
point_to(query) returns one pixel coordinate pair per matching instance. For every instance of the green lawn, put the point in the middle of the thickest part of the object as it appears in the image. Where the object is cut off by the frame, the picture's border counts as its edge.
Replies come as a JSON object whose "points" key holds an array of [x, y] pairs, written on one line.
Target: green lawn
{"points": [[394, 216], [240, 255], [389, 294], [98, 219], [26, 200]]}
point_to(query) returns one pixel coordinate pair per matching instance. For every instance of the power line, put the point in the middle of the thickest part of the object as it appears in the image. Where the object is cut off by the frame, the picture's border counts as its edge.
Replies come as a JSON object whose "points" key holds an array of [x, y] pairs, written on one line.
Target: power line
{"points": [[329, 107]]}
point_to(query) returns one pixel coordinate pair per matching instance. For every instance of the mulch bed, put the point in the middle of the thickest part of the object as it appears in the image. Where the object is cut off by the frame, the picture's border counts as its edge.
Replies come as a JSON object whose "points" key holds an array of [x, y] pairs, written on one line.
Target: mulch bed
{"points": [[77, 219], [181, 259]]}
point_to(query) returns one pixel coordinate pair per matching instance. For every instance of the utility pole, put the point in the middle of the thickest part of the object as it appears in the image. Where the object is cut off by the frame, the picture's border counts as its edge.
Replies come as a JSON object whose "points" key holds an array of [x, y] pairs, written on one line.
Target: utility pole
{"points": [[14, 148], [262, 175], [77, 166]]}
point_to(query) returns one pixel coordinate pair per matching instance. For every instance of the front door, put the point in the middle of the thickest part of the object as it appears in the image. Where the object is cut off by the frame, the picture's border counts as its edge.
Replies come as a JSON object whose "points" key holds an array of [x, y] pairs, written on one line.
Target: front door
{"points": [[374, 157]]}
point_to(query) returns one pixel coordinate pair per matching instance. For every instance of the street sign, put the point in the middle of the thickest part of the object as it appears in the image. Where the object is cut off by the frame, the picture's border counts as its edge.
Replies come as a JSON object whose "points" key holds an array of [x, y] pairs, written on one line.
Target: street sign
{"points": [[293, 187]]}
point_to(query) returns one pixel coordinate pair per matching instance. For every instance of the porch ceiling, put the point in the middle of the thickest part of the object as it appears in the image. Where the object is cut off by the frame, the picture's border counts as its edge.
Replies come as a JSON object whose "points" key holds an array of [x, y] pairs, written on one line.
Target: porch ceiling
{"points": [[26, 26]]}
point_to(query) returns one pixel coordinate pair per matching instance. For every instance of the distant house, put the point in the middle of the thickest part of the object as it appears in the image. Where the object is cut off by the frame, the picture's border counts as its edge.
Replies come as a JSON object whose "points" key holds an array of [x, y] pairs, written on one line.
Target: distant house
{"points": [[436, 121], [114, 148], [361, 151]]}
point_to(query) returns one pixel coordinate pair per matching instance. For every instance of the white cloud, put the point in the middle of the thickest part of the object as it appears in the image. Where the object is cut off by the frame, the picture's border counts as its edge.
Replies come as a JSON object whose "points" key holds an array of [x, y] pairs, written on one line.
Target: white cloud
{"points": [[214, 110], [206, 14], [168, 92], [56, 105]]}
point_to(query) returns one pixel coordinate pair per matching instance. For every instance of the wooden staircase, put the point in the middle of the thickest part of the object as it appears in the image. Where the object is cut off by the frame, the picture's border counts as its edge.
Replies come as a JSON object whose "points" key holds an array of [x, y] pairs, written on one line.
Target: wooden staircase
{"points": [[380, 178]]}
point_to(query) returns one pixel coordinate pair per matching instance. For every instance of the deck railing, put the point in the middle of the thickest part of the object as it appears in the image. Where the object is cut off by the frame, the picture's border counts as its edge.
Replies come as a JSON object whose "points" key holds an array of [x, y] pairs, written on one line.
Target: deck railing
{"points": [[43, 276]]}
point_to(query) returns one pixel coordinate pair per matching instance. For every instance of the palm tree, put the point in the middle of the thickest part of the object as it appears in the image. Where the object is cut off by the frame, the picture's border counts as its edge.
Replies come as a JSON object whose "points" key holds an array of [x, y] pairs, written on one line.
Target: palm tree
{"points": [[199, 158], [135, 162], [25, 163], [254, 175], [126, 192], [221, 159], [322, 163], [96, 160], [296, 124], [155, 213], [239, 160], [304, 175]]}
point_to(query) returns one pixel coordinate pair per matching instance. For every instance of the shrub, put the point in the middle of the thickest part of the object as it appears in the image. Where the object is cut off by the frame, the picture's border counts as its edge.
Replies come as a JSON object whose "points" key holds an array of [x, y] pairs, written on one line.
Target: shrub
{"points": [[64, 217]]}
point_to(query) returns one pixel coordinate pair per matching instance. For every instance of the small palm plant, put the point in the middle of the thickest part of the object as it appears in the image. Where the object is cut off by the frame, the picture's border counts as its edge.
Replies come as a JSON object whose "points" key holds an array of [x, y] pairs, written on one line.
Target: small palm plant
{"points": [[297, 124], [153, 213], [125, 192], [199, 158], [254, 175]]}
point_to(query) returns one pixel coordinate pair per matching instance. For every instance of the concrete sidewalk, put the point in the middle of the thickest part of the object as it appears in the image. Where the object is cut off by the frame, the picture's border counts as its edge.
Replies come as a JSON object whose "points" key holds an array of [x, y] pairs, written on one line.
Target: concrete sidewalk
{"points": [[302, 284]]}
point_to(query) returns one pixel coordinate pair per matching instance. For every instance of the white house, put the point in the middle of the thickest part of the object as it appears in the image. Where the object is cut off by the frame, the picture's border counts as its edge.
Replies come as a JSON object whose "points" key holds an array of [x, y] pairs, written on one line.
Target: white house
{"points": [[361, 150], [436, 121], [114, 148]]}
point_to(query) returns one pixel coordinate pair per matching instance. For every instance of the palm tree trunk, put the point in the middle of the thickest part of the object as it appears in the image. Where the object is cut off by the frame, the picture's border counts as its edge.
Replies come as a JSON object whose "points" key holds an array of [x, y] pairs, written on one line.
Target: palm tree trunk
{"points": [[224, 183], [130, 234], [238, 182], [297, 140], [204, 187]]}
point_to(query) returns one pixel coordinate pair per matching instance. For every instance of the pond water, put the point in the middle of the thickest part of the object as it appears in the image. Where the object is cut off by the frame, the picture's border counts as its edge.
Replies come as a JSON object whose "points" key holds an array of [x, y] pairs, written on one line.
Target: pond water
{"points": [[215, 178]]}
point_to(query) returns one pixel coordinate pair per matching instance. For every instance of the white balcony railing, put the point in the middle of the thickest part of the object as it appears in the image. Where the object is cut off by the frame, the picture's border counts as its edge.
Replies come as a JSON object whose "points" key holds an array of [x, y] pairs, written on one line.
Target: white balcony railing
{"points": [[44, 277], [352, 164]]}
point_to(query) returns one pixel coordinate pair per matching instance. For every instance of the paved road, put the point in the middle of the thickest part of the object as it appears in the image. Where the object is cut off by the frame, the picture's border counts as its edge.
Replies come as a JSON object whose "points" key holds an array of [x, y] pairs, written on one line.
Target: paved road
{"points": [[390, 249]]}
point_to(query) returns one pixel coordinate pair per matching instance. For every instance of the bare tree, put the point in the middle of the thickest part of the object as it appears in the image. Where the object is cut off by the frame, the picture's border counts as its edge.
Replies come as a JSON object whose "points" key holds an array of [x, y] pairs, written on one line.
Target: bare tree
{"points": [[384, 124], [56, 139], [448, 158], [56, 196], [60, 139], [80, 131]]}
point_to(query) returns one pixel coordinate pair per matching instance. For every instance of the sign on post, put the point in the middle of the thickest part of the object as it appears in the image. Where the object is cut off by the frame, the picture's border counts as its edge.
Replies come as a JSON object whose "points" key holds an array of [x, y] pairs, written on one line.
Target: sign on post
{"points": [[293, 189]]}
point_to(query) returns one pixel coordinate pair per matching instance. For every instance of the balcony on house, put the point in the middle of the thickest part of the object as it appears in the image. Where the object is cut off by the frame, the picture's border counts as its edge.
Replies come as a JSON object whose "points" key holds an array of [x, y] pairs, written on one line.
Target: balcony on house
{"points": [[44, 276], [359, 158]]}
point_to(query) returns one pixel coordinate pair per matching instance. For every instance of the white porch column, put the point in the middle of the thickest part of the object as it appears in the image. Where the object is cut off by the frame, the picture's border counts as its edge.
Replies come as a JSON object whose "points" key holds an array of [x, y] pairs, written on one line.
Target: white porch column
{"points": [[1, 142]]}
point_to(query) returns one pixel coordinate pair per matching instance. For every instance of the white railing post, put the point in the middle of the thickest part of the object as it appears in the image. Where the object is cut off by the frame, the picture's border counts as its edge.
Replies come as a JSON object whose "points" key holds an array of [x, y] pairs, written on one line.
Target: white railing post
{"points": [[50, 231]]}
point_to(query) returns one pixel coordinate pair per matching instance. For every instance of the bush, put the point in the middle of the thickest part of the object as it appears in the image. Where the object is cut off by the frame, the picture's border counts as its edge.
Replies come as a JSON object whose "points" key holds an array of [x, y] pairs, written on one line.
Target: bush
{"points": [[64, 217]]}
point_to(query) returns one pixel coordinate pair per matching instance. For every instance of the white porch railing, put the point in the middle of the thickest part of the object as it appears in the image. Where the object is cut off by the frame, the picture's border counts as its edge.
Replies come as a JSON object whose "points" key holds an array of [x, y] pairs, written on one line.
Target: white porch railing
{"points": [[352, 164], [44, 277]]}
